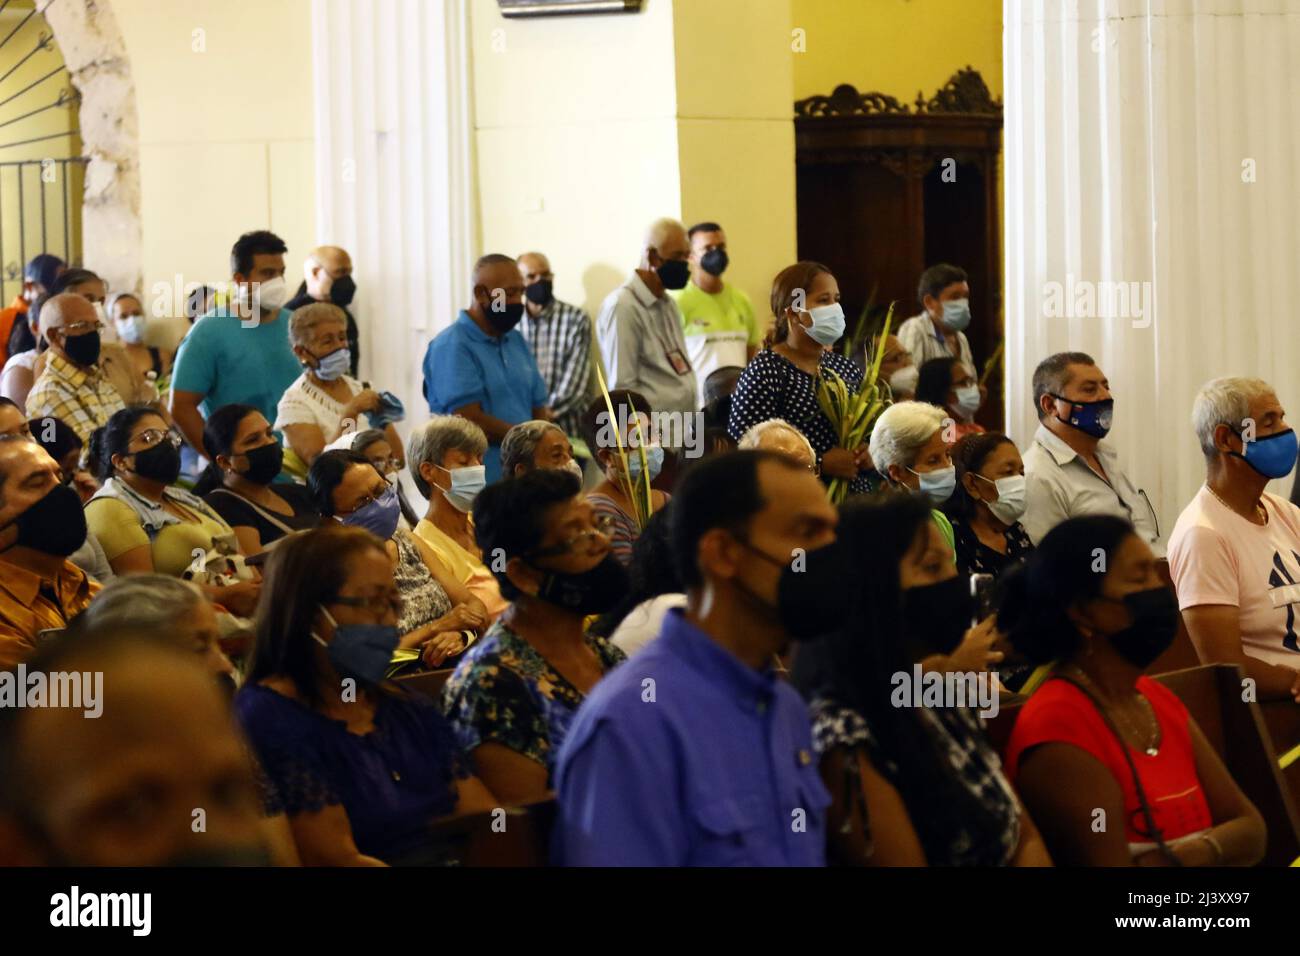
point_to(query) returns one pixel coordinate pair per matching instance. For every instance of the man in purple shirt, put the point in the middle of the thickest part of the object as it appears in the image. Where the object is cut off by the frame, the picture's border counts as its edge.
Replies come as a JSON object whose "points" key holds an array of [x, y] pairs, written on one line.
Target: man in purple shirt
{"points": [[694, 752]]}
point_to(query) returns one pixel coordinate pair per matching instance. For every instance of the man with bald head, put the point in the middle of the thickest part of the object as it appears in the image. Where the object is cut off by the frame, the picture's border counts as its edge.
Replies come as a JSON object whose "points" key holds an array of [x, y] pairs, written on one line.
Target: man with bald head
{"points": [[327, 277], [560, 336], [480, 367], [72, 386], [640, 326], [159, 776]]}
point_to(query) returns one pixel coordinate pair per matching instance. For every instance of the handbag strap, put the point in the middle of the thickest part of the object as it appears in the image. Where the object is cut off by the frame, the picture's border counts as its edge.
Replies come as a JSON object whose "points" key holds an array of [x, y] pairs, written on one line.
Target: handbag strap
{"points": [[266, 515]]}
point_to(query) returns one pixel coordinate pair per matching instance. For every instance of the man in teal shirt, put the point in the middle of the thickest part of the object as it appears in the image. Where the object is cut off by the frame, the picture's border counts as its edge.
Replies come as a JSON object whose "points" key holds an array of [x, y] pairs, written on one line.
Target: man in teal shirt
{"points": [[238, 352]]}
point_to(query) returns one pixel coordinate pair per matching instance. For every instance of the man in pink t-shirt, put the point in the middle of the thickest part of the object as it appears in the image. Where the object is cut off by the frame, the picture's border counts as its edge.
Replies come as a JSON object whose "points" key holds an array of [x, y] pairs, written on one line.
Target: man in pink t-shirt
{"points": [[1235, 551]]}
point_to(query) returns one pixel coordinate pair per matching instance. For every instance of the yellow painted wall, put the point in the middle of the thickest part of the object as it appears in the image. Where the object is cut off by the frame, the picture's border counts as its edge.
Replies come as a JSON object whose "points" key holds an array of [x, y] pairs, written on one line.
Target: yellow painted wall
{"points": [[226, 131], [20, 244]]}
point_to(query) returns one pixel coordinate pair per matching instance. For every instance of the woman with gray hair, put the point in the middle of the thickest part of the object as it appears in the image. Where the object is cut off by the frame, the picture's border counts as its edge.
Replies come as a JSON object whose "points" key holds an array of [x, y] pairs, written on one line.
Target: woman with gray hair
{"points": [[324, 402], [445, 456], [537, 444], [1234, 551]]}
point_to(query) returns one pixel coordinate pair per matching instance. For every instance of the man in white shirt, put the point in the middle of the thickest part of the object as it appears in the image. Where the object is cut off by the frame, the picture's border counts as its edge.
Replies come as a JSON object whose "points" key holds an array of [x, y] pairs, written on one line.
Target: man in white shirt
{"points": [[1235, 551], [1069, 470], [640, 327], [937, 332]]}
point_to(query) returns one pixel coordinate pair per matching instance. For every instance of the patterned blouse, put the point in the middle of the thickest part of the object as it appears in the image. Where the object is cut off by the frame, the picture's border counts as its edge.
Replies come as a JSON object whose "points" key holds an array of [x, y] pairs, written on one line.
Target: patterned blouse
{"points": [[976, 557], [624, 532], [424, 598], [504, 692], [774, 387], [946, 841]]}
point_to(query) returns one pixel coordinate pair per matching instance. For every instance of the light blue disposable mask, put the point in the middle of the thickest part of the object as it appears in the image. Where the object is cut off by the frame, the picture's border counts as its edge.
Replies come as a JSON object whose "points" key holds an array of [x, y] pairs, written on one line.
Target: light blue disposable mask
{"points": [[827, 323], [938, 485], [956, 314], [466, 483], [654, 457], [335, 365], [968, 400]]}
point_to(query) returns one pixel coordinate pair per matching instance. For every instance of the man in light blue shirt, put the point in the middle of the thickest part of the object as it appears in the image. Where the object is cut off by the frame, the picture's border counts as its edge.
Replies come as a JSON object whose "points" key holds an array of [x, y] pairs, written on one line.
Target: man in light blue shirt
{"points": [[238, 352], [694, 752], [481, 367]]}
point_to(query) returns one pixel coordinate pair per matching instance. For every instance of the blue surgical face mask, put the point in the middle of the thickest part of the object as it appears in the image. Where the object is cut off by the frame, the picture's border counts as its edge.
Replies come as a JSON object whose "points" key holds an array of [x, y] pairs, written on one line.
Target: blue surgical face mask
{"points": [[938, 485], [1091, 418], [827, 324], [335, 365], [654, 458], [466, 483], [956, 314], [968, 400], [1273, 456], [362, 651], [379, 517]]}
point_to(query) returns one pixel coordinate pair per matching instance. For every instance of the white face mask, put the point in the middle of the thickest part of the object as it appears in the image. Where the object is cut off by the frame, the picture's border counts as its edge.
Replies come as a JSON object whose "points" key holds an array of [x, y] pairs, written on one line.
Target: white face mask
{"points": [[269, 296], [130, 329], [1011, 502], [573, 468]]}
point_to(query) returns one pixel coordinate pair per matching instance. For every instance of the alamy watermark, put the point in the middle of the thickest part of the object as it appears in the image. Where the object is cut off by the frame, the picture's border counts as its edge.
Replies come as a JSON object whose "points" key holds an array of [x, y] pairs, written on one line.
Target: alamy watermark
{"points": [[922, 688], [75, 690], [1083, 299]]}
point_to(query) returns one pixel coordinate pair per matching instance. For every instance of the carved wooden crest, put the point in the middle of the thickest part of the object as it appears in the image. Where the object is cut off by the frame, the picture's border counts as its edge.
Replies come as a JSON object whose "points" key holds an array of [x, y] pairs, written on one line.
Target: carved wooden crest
{"points": [[966, 92]]}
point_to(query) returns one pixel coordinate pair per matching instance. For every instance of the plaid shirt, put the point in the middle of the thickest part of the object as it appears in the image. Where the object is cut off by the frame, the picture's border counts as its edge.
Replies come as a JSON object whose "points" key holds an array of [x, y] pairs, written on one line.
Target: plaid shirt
{"points": [[82, 398], [560, 337]]}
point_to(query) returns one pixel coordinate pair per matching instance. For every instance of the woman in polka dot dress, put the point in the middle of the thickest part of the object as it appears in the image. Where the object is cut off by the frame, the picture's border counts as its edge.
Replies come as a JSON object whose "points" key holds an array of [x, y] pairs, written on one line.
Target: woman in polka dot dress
{"points": [[780, 381]]}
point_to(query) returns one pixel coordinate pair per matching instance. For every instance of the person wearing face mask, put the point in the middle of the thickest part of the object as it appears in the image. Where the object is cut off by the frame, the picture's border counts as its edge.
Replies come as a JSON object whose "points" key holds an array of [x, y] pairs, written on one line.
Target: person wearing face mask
{"points": [[513, 696], [639, 326], [388, 460], [327, 277], [324, 403], [781, 381], [240, 483], [939, 330], [611, 497], [481, 367], [439, 616], [987, 504], [912, 786], [537, 445], [1233, 552], [238, 353], [945, 383], [39, 276], [359, 766], [701, 709], [145, 522], [1100, 736], [149, 363], [898, 369], [1070, 469], [41, 525], [717, 317], [72, 386], [910, 448], [559, 335], [446, 463]]}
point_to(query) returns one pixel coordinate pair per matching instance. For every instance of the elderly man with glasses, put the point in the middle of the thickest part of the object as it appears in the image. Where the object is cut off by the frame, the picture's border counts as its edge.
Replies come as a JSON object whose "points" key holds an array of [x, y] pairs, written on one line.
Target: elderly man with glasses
{"points": [[72, 386]]}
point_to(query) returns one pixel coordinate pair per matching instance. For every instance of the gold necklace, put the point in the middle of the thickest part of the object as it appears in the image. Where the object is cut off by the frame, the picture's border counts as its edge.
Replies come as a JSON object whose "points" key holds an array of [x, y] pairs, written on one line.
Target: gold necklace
{"points": [[1260, 511], [1149, 734]]}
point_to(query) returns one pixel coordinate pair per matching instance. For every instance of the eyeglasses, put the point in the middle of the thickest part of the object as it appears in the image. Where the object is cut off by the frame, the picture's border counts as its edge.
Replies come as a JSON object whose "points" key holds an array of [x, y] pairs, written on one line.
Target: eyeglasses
{"points": [[81, 328], [377, 605], [602, 526], [369, 499], [387, 466], [155, 436]]}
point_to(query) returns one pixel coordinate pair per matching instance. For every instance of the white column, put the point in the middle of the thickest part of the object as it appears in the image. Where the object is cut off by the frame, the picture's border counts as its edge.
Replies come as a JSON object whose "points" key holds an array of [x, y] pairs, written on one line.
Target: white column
{"points": [[394, 173], [1153, 141]]}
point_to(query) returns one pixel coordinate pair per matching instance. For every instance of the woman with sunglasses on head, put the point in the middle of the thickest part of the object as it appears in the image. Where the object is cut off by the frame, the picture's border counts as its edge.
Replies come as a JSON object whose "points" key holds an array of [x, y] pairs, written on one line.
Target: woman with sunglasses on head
{"points": [[1099, 743], [440, 616], [513, 695], [359, 767], [144, 522]]}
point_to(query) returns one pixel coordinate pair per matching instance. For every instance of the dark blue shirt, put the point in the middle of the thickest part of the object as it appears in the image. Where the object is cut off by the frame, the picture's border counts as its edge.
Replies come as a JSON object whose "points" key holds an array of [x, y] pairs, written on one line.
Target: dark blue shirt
{"points": [[391, 782], [464, 365], [686, 756]]}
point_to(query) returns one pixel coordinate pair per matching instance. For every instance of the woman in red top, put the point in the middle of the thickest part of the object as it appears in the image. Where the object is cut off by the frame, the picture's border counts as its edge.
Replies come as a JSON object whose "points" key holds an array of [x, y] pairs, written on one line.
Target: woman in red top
{"points": [[1108, 762]]}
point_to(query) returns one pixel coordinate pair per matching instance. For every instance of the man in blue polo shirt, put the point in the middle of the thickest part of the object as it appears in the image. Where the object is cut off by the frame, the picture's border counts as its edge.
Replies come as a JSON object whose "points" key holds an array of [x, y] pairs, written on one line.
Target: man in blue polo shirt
{"points": [[694, 752], [238, 352], [481, 367]]}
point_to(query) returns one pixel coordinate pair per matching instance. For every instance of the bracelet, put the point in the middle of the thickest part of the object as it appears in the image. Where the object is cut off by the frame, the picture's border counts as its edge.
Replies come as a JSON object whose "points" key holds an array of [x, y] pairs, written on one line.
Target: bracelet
{"points": [[1214, 845]]}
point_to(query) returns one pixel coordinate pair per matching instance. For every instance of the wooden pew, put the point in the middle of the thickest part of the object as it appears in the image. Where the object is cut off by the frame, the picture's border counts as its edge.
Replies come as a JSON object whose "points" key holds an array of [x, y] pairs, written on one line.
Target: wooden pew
{"points": [[512, 837]]}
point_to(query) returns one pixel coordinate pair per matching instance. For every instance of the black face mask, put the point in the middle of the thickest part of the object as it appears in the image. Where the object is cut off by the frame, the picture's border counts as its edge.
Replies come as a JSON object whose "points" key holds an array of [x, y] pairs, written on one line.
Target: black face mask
{"points": [[54, 525], [1155, 623], [674, 274], [506, 319], [161, 463], [82, 349], [715, 262], [540, 292], [591, 592], [813, 596], [937, 616], [342, 291], [264, 463]]}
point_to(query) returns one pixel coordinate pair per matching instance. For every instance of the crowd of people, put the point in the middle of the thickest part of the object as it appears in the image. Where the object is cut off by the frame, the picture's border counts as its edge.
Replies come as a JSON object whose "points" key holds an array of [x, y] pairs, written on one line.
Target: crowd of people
{"points": [[641, 600]]}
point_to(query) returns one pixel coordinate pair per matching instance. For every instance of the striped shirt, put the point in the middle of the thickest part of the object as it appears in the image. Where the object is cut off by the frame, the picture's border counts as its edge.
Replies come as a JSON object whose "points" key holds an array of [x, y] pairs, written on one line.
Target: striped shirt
{"points": [[925, 342], [560, 337]]}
